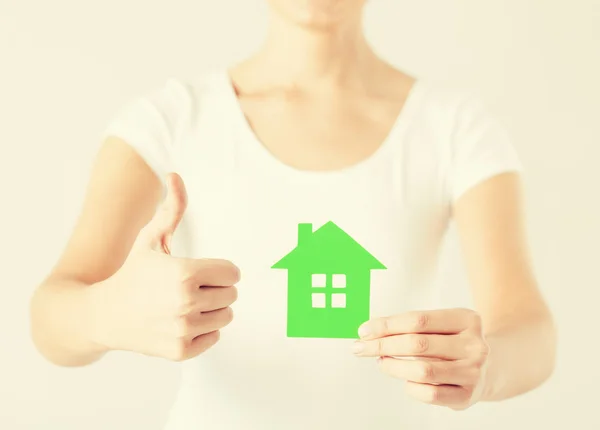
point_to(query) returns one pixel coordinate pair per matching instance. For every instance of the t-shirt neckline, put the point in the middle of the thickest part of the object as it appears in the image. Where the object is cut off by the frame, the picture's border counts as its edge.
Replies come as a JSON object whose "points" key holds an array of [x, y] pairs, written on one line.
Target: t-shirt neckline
{"points": [[270, 161]]}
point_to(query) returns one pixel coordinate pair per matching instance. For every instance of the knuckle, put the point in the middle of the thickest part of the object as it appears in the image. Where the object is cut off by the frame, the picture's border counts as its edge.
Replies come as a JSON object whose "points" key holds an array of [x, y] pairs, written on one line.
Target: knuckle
{"points": [[475, 320], [184, 272], [479, 363], [380, 347], [484, 350], [183, 325], [419, 344], [421, 321], [466, 393], [474, 343], [480, 350], [428, 372], [477, 367], [473, 375], [184, 300], [180, 327], [433, 394], [184, 285], [385, 326], [464, 397]]}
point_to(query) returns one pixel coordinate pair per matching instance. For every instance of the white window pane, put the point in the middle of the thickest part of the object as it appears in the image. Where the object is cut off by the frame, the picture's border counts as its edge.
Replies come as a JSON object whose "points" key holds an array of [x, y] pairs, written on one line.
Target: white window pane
{"points": [[318, 300], [319, 281], [338, 281], [338, 300]]}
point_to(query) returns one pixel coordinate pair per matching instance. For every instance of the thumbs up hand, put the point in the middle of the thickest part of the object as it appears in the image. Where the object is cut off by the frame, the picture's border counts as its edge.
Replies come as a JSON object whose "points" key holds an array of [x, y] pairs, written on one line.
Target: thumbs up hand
{"points": [[160, 305]]}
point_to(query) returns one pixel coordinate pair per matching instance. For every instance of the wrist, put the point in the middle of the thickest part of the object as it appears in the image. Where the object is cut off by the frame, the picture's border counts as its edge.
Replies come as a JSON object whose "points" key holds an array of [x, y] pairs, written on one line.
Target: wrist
{"points": [[493, 380], [97, 322]]}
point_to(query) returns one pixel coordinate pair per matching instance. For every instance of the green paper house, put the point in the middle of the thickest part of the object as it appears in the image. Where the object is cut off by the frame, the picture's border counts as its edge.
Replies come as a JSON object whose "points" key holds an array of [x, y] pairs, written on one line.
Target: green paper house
{"points": [[329, 283]]}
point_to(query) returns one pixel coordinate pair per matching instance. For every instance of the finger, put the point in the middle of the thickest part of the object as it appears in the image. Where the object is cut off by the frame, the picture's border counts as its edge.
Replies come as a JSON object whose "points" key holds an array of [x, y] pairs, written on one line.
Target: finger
{"points": [[441, 395], [444, 321], [209, 272], [159, 231], [213, 298], [207, 322], [427, 372], [199, 344], [446, 347]]}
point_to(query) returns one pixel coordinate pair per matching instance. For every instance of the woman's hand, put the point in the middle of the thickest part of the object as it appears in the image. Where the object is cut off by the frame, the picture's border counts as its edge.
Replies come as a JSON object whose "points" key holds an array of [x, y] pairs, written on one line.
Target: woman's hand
{"points": [[446, 350], [160, 305]]}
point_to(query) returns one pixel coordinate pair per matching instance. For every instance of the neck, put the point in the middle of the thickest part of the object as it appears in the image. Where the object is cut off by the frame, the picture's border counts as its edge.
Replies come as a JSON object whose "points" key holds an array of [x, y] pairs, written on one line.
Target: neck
{"points": [[298, 56]]}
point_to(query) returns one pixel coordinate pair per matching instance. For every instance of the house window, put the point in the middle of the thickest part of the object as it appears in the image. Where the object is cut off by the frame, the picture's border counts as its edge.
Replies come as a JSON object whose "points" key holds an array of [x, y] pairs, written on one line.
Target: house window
{"points": [[318, 300], [338, 300], [338, 281], [319, 281]]}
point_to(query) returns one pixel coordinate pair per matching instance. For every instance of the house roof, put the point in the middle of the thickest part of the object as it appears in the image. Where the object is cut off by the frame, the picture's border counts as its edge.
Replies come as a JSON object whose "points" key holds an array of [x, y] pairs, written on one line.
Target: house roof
{"points": [[327, 249]]}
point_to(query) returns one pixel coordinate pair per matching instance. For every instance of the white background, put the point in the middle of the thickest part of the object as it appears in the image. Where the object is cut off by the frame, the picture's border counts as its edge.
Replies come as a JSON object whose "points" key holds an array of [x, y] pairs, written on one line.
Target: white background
{"points": [[66, 66]]}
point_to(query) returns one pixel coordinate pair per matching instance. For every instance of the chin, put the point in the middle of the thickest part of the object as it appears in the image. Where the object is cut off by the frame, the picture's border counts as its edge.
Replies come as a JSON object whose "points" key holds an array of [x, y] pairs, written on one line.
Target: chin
{"points": [[318, 14]]}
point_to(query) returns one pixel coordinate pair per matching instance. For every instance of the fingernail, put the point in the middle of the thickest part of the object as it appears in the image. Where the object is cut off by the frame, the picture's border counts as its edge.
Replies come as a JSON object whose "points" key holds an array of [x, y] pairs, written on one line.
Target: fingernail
{"points": [[358, 347], [363, 330]]}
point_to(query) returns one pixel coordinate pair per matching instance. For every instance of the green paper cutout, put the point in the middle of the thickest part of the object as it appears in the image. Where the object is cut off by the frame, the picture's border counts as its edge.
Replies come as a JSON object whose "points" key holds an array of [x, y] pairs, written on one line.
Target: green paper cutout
{"points": [[335, 259]]}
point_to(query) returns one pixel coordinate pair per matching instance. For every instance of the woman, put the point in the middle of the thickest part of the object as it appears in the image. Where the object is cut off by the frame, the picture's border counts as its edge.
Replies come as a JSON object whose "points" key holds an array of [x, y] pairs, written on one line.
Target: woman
{"points": [[324, 179]]}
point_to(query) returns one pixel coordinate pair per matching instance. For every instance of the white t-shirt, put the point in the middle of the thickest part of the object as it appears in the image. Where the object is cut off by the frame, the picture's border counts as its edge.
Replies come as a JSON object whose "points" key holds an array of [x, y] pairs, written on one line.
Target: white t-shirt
{"points": [[319, 252]]}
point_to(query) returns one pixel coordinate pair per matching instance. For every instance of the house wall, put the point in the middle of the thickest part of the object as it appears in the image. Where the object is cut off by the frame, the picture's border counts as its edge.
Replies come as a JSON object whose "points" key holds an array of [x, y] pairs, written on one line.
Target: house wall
{"points": [[306, 321]]}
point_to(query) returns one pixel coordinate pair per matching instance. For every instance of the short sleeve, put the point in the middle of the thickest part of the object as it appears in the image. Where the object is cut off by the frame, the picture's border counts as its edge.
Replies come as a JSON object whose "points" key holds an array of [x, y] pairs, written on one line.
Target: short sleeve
{"points": [[150, 125], [481, 147]]}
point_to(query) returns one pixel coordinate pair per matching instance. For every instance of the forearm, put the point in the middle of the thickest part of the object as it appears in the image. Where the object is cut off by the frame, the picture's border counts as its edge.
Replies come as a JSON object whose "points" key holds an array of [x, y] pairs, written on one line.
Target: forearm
{"points": [[522, 356], [62, 323]]}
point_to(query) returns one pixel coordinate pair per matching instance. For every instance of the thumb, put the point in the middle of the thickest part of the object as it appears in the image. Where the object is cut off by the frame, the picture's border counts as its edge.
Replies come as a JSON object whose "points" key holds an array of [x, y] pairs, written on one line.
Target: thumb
{"points": [[160, 230]]}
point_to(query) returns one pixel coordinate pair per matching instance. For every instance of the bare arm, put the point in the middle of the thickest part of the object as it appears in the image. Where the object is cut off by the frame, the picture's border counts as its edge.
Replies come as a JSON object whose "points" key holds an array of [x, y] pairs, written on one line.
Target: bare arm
{"points": [[121, 198], [517, 323]]}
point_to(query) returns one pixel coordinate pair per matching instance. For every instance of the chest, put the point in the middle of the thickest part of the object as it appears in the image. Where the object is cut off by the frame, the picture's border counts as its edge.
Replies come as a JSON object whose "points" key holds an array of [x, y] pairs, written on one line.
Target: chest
{"points": [[311, 133]]}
